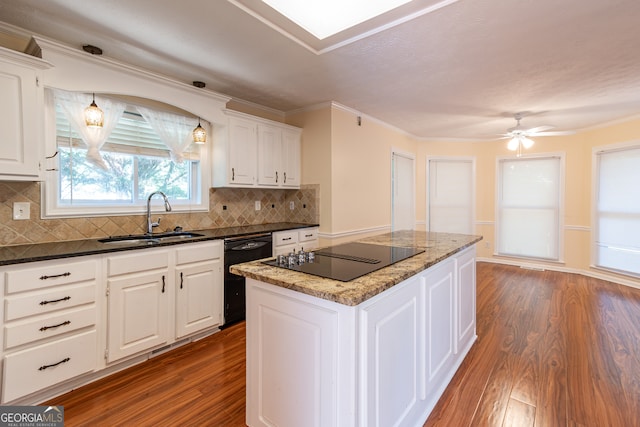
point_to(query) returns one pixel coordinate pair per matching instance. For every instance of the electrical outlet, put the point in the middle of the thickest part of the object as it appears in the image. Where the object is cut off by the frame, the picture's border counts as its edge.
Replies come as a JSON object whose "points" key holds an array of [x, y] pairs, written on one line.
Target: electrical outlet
{"points": [[21, 210], [487, 245], [258, 205], [292, 205]]}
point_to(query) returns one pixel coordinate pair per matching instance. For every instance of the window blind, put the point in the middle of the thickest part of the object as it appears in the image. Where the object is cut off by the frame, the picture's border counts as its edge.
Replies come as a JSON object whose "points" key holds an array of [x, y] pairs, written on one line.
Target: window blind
{"points": [[529, 192], [617, 213], [451, 185]]}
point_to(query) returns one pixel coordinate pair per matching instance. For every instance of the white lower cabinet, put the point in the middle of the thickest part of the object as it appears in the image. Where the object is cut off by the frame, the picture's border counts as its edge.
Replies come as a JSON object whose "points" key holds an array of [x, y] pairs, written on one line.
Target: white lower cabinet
{"points": [[159, 295], [385, 362], [49, 324], [138, 311], [199, 288]]}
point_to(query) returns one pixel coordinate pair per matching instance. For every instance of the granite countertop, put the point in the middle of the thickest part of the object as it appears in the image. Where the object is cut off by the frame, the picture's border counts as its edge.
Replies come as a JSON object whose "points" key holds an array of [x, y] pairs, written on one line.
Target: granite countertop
{"points": [[437, 246], [18, 254]]}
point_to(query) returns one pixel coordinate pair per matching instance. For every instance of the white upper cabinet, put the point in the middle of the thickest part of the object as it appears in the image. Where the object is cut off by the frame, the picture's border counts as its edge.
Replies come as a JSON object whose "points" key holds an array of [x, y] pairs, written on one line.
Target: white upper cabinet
{"points": [[241, 167], [255, 152], [21, 116], [278, 157]]}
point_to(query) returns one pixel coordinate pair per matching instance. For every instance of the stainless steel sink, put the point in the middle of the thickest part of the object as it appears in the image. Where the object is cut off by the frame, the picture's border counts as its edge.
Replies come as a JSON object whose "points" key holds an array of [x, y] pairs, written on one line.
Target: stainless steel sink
{"points": [[149, 239]]}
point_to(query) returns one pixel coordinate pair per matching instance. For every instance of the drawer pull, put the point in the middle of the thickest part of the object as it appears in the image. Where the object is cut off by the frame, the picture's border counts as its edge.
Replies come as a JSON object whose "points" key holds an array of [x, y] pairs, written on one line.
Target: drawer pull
{"points": [[54, 300], [163, 283], [308, 235], [55, 276], [65, 323], [43, 367], [181, 280], [287, 238]]}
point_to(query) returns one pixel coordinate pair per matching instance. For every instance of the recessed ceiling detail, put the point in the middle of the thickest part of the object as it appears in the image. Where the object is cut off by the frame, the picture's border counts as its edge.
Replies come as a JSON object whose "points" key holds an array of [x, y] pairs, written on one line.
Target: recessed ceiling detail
{"points": [[324, 18], [322, 26]]}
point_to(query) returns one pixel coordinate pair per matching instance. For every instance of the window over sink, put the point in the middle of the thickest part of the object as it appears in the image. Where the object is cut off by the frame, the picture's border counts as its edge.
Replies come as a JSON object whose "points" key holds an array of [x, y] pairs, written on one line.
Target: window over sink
{"points": [[134, 161]]}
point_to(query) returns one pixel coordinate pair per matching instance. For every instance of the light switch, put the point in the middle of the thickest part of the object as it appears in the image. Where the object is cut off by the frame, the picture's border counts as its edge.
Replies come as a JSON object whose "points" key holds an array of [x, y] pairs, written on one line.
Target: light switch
{"points": [[258, 205], [21, 210]]}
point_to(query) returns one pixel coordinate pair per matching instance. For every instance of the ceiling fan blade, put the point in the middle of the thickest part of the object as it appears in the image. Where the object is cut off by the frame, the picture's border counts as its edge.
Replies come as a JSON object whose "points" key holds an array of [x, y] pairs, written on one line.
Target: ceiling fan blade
{"points": [[556, 133], [537, 129]]}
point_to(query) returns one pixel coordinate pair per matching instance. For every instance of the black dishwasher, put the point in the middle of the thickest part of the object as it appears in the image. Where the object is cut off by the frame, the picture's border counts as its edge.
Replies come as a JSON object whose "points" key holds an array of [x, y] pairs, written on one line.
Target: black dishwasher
{"points": [[236, 251]]}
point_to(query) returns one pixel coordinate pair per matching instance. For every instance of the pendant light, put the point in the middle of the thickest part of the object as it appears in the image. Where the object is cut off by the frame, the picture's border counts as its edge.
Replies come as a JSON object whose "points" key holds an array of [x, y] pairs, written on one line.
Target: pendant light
{"points": [[199, 134], [93, 115]]}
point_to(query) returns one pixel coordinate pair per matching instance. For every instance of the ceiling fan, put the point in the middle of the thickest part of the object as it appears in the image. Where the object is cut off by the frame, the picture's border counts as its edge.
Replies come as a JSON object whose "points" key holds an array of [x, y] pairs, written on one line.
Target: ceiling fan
{"points": [[520, 137]]}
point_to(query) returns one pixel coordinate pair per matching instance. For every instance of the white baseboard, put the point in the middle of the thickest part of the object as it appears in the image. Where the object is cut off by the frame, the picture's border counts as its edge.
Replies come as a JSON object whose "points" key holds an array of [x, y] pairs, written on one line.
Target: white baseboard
{"points": [[588, 273]]}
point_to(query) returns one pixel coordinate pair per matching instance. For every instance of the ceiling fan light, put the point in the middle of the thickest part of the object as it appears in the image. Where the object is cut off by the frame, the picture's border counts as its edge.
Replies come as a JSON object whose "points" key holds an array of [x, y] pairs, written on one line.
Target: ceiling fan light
{"points": [[513, 143], [527, 142]]}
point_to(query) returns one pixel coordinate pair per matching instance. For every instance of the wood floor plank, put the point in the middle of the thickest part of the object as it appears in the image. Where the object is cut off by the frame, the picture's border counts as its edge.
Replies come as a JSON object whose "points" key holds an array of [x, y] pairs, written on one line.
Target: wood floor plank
{"points": [[553, 349]]}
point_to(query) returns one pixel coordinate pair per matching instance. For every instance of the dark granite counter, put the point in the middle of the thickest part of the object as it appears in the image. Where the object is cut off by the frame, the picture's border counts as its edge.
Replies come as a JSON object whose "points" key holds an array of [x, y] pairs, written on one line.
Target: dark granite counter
{"points": [[437, 247], [55, 250]]}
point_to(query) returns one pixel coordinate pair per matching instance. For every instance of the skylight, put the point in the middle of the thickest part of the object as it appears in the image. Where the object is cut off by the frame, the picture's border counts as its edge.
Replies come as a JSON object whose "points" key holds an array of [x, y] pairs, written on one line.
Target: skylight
{"points": [[324, 18]]}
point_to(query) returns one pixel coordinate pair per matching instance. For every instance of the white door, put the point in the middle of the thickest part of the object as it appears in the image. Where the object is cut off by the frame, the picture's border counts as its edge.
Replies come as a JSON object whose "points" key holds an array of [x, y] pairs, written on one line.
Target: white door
{"points": [[403, 191]]}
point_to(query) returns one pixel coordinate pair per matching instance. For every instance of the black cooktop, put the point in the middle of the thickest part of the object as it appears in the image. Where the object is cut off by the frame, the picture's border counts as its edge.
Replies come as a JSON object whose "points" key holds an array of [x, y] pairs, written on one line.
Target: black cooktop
{"points": [[350, 260]]}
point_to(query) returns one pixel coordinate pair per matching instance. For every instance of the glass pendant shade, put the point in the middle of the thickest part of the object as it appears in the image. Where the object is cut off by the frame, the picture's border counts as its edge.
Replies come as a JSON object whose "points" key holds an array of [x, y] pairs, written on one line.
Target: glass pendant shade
{"points": [[93, 115], [526, 142], [513, 144], [199, 134]]}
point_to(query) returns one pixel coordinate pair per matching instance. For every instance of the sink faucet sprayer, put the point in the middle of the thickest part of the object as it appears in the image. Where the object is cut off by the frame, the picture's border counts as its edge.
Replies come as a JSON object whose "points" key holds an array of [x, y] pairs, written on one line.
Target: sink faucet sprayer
{"points": [[167, 207]]}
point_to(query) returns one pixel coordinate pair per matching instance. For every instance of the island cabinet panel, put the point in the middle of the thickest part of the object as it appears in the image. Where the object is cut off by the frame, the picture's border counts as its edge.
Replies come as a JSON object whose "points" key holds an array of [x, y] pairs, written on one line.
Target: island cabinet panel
{"points": [[439, 288], [466, 297], [293, 365], [390, 341]]}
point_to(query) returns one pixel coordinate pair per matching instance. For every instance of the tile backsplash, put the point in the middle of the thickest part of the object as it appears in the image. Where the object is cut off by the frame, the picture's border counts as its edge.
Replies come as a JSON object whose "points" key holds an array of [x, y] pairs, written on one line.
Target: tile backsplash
{"points": [[228, 207]]}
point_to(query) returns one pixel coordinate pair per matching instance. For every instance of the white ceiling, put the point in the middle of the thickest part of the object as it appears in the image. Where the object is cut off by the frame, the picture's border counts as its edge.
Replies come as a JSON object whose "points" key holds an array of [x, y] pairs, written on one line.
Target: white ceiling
{"points": [[458, 70]]}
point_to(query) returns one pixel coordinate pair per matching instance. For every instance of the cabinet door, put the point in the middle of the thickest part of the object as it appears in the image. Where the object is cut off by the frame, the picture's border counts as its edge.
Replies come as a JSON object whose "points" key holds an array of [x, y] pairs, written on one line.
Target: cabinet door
{"points": [[290, 158], [242, 152], [20, 122], [138, 310], [269, 143], [198, 297]]}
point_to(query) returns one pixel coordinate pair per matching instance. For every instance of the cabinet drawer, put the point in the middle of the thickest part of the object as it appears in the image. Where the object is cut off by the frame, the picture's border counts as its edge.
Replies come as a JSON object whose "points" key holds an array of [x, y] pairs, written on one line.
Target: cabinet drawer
{"points": [[195, 252], [43, 366], [307, 234], [49, 274], [285, 238], [18, 333], [17, 307], [135, 261]]}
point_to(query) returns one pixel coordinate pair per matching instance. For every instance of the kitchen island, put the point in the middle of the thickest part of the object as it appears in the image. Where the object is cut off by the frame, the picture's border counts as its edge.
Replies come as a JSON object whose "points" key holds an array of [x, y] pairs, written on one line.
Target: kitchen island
{"points": [[378, 350]]}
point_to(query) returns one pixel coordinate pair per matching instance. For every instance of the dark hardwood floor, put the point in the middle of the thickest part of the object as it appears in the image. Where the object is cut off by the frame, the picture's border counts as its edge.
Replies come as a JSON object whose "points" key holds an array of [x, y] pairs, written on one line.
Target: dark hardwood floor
{"points": [[553, 349]]}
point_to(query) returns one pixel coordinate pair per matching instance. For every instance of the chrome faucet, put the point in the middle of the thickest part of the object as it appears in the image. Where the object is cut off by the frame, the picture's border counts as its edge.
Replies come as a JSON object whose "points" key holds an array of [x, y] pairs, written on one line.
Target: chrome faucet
{"points": [[167, 207]]}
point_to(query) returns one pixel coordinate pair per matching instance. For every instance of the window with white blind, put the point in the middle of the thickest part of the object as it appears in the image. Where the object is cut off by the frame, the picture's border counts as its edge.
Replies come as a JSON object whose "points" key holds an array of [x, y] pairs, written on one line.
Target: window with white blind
{"points": [[137, 164], [529, 204], [616, 234], [451, 195]]}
